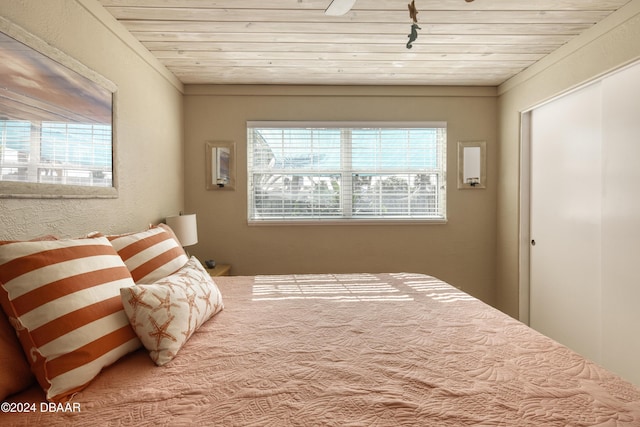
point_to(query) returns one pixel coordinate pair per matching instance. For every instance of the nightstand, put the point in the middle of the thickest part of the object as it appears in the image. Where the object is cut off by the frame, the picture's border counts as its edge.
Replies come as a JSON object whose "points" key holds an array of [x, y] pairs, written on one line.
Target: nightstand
{"points": [[220, 270]]}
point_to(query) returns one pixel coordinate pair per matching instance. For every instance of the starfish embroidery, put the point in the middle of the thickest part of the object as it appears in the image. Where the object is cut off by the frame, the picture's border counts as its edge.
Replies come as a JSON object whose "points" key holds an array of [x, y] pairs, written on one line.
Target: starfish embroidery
{"points": [[185, 274], [217, 307], [164, 303], [187, 334], [202, 285], [136, 299], [170, 285], [193, 276], [160, 331], [191, 301], [207, 299]]}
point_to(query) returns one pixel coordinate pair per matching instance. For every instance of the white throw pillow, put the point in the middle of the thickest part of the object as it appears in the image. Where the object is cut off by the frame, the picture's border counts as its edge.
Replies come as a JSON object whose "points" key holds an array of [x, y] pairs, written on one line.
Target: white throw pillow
{"points": [[166, 313]]}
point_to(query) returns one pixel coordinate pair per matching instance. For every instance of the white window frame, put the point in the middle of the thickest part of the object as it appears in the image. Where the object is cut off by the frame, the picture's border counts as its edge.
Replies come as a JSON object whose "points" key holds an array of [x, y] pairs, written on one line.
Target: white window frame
{"points": [[347, 174], [58, 153]]}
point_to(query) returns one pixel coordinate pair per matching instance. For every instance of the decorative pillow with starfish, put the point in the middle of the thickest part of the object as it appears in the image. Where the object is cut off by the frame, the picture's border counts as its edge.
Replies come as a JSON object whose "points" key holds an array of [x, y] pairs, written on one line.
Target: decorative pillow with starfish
{"points": [[166, 313]]}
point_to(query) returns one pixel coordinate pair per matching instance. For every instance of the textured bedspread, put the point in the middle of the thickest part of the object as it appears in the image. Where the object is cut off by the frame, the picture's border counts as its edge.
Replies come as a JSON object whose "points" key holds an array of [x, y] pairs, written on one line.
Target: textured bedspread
{"points": [[354, 350]]}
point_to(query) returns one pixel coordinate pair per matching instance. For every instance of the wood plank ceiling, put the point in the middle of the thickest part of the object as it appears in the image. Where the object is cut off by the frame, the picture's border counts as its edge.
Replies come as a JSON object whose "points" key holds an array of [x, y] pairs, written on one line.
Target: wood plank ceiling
{"points": [[482, 43]]}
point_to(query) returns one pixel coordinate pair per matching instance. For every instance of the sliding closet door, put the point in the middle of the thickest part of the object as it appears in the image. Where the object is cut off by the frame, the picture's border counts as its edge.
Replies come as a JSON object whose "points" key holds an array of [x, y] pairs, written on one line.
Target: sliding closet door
{"points": [[565, 218], [621, 223]]}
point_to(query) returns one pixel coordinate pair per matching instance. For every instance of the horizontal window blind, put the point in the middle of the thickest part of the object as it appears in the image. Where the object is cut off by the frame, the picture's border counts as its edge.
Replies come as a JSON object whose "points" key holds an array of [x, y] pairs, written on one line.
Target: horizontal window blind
{"points": [[346, 171], [56, 153]]}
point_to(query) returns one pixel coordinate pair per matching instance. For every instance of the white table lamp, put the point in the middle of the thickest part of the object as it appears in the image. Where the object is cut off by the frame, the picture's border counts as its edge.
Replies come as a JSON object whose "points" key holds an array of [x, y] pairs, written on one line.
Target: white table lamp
{"points": [[185, 228]]}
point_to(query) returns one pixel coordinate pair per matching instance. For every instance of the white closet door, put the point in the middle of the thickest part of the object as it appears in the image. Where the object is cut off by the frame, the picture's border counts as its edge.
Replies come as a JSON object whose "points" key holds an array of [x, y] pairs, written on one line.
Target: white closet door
{"points": [[621, 223], [566, 191]]}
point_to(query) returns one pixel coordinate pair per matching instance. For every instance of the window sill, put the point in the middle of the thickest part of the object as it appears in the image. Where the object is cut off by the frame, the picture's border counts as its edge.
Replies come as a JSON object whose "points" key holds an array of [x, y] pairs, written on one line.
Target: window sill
{"points": [[316, 222]]}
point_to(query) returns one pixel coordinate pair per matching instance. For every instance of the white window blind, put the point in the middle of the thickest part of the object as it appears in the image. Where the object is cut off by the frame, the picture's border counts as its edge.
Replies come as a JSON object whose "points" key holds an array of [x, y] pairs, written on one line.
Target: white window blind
{"points": [[346, 171], [56, 153]]}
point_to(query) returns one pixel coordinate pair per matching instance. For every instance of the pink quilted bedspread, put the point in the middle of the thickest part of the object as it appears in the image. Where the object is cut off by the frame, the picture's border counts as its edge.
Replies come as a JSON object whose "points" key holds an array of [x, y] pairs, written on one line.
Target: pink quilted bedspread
{"points": [[353, 350]]}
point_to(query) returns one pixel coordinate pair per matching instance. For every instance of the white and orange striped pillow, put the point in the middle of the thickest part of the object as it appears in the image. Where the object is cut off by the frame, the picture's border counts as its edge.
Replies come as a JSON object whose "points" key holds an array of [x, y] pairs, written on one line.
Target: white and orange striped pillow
{"points": [[150, 255], [63, 299]]}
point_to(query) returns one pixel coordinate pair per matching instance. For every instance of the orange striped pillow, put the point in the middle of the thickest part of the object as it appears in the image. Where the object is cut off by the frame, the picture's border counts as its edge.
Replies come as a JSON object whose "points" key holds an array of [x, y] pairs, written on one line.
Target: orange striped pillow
{"points": [[150, 255], [63, 298]]}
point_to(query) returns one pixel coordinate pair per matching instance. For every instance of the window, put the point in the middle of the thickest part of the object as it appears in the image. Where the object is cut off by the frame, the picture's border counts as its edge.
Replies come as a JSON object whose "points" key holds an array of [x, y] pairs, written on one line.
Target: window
{"points": [[345, 171], [56, 153]]}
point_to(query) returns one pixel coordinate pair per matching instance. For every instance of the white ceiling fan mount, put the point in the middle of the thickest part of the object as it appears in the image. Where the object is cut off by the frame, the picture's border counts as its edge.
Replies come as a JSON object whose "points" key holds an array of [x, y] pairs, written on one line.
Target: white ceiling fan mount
{"points": [[339, 7]]}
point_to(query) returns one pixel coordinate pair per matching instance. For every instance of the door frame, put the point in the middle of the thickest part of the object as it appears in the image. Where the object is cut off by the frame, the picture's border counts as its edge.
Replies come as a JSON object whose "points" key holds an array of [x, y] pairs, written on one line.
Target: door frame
{"points": [[524, 252]]}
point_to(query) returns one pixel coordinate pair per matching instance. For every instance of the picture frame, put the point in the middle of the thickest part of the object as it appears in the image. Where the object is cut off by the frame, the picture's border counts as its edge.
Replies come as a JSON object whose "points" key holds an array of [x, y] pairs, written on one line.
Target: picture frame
{"points": [[52, 104]]}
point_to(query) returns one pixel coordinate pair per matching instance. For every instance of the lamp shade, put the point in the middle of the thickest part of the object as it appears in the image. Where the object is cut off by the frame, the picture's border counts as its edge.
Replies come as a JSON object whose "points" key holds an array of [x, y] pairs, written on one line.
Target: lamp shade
{"points": [[185, 228]]}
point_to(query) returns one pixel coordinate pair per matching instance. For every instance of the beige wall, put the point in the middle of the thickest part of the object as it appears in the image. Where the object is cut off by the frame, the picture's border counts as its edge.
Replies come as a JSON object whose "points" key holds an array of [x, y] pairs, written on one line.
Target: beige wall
{"points": [[461, 251], [148, 126], [609, 45], [476, 250]]}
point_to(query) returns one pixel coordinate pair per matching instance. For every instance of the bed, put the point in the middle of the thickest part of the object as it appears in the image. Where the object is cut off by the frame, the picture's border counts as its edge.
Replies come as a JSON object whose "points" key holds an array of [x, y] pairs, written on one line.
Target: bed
{"points": [[128, 330], [349, 350]]}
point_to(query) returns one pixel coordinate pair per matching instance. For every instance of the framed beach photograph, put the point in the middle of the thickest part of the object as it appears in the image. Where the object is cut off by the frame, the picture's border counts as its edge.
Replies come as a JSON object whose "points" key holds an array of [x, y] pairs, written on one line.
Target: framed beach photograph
{"points": [[56, 122]]}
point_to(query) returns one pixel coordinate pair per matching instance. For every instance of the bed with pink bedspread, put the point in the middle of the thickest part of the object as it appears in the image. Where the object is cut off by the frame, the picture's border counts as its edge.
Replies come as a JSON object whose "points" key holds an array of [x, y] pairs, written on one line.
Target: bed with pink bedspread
{"points": [[350, 350]]}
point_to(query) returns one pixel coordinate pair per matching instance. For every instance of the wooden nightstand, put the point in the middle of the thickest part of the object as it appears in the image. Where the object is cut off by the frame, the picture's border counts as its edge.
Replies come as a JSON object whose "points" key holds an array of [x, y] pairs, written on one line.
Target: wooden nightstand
{"points": [[220, 270]]}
